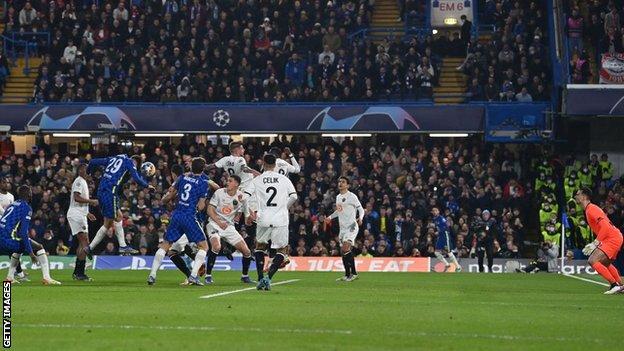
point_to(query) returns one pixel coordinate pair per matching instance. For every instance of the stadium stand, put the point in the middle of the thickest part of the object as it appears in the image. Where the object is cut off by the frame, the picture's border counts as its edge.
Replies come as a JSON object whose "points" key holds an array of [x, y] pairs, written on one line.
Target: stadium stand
{"points": [[593, 28], [512, 65], [193, 52]]}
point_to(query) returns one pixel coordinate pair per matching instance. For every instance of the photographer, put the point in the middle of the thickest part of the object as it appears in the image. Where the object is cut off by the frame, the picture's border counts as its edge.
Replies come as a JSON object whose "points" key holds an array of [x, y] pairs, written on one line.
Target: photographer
{"points": [[483, 240], [546, 259]]}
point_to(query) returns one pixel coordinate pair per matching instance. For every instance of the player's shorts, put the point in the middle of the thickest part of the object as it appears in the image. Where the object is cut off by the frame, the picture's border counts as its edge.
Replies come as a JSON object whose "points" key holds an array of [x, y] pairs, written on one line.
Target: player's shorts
{"points": [[184, 223], [229, 234], [109, 204], [348, 234], [180, 244], [78, 223], [9, 246], [443, 242], [611, 246], [277, 235]]}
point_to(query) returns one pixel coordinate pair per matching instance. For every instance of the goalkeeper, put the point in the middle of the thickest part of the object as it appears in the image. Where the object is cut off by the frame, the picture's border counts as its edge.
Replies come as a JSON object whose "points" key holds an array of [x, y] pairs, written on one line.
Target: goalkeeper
{"points": [[604, 250]]}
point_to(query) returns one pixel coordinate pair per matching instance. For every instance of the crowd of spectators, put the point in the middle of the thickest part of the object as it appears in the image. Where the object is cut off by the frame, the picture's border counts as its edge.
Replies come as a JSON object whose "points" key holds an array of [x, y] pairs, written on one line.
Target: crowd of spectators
{"points": [[599, 23], [270, 51], [478, 189], [230, 51], [513, 65]]}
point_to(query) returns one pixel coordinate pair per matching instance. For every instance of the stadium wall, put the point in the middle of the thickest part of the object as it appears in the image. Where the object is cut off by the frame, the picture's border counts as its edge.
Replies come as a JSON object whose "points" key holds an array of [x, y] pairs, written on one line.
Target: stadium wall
{"points": [[305, 264], [507, 118]]}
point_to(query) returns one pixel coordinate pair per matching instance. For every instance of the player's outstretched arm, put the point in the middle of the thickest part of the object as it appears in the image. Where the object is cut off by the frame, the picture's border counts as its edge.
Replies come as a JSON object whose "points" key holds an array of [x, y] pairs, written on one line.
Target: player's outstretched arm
{"points": [[248, 169], [135, 175], [294, 167]]}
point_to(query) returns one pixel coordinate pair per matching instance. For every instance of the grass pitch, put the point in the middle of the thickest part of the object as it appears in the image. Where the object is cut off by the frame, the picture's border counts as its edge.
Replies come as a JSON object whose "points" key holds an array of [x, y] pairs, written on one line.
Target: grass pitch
{"points": [[380, 311]]}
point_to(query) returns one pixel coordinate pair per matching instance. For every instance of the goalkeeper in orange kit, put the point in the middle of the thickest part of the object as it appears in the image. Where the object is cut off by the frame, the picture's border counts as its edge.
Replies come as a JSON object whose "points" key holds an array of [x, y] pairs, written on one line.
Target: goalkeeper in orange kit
{"points": [[604, 250]]}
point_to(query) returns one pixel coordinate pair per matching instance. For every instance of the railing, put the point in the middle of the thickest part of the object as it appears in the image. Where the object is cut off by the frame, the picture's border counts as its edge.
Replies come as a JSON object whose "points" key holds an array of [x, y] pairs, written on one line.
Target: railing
{"points": [[27, 43], [558, 48], [11, 48], [375, 32]]}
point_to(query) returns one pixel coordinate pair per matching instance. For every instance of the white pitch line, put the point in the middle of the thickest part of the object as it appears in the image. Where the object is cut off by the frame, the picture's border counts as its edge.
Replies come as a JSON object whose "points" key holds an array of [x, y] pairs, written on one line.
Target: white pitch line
{"points": [[586, 280], [311, 331], [246, 289], [183, 328]]}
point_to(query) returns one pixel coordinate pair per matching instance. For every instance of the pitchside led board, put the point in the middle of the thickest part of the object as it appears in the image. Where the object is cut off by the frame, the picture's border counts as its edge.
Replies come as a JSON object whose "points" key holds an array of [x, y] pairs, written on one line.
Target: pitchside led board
{"points": [[447, 13]]}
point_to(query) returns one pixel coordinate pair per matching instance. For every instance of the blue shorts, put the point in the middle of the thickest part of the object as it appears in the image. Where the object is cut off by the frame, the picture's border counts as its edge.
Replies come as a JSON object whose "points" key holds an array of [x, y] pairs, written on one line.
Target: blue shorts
{"points": [[109, 203], [9, 246], [443, 242], [184, 223]]}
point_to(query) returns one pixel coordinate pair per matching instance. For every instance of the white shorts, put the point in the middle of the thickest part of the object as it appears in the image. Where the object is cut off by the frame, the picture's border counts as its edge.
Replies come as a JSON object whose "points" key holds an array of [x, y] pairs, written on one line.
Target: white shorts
{"points": [[348, 234], [277, 235], [180, 244], [78, 224], [229, 234]]}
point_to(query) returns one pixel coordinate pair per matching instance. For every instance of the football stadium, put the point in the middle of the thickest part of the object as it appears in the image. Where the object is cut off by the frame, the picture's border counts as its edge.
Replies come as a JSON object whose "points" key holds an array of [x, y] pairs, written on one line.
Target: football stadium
{"points": [[311, 174]]}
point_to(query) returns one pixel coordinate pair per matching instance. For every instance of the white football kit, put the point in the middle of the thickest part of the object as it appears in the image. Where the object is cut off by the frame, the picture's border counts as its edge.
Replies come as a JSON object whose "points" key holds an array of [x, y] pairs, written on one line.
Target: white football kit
{"points": [[5, 200], [227, 207], [272, 194], [236, 165], [285, 168], [77, 213], [347, 207]]}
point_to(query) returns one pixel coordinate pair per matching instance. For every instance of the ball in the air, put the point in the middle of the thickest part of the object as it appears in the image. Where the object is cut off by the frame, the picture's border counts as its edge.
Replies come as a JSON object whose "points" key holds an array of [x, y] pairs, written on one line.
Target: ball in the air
{"points": [[148, 169], [221, 118]]}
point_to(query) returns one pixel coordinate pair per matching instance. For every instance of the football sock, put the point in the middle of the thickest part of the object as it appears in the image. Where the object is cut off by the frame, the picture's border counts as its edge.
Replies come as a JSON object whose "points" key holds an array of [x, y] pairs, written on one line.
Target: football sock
{"points": [[119, 233], [212, 258], [441, 258], [200, 258], [18, 269], [604, 272], [98, 237], [615, 274], [277, 262], [346, 263], [43, 262], [260, 263], [80, 267], [13, 265], [352, 263], [158, 258], [453, 259], [179, 262], [246, 264], [189, 252]]}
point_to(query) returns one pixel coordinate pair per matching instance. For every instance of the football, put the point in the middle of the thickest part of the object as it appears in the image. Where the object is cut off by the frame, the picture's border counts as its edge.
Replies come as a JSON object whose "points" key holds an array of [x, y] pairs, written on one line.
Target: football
{"points": [[221, 118], [148, 169]]}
